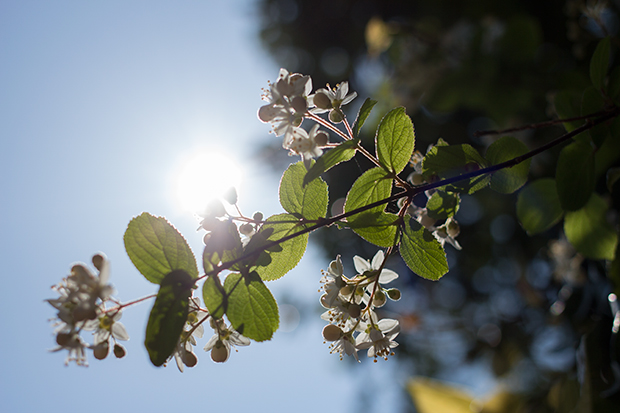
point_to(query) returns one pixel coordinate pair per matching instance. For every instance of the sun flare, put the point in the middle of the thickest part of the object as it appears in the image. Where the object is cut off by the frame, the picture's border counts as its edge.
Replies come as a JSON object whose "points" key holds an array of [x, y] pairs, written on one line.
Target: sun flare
{"points": [[203, 177]]}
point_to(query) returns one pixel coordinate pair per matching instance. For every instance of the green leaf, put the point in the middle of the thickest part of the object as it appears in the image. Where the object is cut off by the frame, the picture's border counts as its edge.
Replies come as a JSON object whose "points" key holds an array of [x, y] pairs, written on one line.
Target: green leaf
{"points": [[442, 162], [421, 251], [362, 115], [442, 205], [593, 102], [508, 180], [575, 175], [309, 201], [156, 248], [599, 63], [538, 206], [213, 295], [588, 231], [276, 261], [395, 140], [376, 227], [222, 244], [252, 310], [168, 316], [372, 186], [332, 157], [568, 105]]}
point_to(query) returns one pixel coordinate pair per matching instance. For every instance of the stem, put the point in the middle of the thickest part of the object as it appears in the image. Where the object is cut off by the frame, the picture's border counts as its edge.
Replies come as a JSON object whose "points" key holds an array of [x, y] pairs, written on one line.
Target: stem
{"points": [[410, 192], [538, 125]]}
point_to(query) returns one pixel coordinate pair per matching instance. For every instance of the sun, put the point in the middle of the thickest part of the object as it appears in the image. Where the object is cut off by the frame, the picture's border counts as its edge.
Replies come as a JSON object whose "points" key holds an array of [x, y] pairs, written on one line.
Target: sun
{"points": [[204, 176]]}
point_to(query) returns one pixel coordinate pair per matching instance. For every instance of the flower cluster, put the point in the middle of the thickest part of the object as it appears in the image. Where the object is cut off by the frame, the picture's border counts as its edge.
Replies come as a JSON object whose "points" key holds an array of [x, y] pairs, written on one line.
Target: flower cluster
{"points": [[220, 344], [351, 303], [81, 306], [289, 101]]}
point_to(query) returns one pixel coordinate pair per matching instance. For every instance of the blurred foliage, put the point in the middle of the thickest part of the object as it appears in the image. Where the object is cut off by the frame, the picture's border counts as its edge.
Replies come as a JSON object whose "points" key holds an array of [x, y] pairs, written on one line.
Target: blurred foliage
{"points": [[529, 308]]}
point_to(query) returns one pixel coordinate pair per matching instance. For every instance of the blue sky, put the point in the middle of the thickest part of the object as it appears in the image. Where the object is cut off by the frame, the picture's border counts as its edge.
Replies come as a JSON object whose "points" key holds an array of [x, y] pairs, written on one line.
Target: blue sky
{"points": [[101, 103]]}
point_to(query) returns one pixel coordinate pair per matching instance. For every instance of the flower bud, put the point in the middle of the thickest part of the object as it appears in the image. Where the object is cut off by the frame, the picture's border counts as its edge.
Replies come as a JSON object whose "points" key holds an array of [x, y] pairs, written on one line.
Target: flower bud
{"points": [[336, 116], [98, 260], [101, 350], [189, 359], [427, 221], [379, 299], [416, 178], [219, 353], [322, 101], [258, 216], [355, 310], [119, 351], [63, 339], [394, 294], [453, 228], [215, 209], [299, 104], [331, 332], [347, 290], [321, 138], [246, 229]]}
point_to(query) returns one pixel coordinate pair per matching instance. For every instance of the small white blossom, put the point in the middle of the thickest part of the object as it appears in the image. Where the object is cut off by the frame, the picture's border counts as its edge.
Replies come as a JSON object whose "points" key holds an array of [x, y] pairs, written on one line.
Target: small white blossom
{"points": [[224, 338], [331, 100], [378, 337]]}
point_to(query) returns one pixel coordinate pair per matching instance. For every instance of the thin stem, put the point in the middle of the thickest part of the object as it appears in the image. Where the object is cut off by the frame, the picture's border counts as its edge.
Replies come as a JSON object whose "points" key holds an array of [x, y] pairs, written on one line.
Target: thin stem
{"points": [[410, 192], [538, 125]]}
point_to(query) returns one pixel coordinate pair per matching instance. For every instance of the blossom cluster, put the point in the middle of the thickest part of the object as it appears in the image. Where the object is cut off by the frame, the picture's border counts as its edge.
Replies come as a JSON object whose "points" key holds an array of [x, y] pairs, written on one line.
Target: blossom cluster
{"points": [[81, 306], [220, 344], [449, 229], [289, 101], [351, 302]]}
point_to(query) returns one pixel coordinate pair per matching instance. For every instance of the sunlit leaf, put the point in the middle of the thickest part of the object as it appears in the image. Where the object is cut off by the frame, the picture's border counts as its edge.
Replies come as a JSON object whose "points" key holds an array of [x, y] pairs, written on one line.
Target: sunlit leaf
{"points": [[362, 115], [373, 185], [421, 251], [156, 248], [588, 230], [538, 206], [214, 296], [332, 157], [442, 205], [508, 180], [168, 316], [276, 261], [309, 201], [252, 310], [575, 175], [376, 227], [395, 140]]}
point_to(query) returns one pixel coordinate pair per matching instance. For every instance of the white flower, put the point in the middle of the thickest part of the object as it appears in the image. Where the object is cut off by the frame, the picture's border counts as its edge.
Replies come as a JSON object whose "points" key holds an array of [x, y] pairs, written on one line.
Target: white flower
{"points": [[448, 233], [332, 283], [286, 104], [331, 100], [308, 145], [378, 337], [77, 348], [224, 338], [370, 269]]}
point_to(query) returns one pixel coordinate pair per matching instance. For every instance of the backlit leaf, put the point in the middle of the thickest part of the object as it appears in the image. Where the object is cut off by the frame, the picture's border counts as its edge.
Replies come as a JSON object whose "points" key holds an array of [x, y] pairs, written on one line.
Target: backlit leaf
{"points": [[168, 316], [538, 206], [252, 310], [156, 248]]}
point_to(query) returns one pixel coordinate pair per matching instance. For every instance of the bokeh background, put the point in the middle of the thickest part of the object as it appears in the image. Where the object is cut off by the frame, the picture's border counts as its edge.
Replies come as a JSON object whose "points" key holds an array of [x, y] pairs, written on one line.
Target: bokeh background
{"points": [[102, 104]]}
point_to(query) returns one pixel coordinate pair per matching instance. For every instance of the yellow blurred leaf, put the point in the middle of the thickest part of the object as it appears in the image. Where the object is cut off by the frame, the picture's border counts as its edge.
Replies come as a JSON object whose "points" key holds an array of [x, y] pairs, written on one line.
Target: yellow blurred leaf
{"points": [[432, 396]]}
